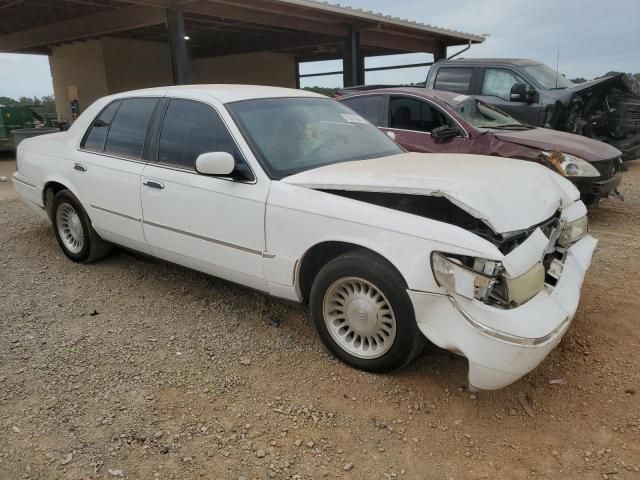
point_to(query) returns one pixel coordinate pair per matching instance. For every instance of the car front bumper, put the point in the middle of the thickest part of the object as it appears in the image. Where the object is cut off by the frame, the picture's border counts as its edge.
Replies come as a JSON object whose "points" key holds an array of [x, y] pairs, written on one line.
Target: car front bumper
{"points": [[602, 188], [499, 356]]}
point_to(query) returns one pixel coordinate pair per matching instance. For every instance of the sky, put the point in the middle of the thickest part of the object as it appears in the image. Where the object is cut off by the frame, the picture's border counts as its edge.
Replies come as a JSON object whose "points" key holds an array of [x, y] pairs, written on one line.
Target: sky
{"points": [[593, 37]]}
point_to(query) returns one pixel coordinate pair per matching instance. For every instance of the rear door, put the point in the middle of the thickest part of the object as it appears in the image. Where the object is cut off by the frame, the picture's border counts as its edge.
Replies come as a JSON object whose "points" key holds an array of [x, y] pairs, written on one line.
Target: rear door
{"points": [[107, 168], [211, 224], [412, 119]]}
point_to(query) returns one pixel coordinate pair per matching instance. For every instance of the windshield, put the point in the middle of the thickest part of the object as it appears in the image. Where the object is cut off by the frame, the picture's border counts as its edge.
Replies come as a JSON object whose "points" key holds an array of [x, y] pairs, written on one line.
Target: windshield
{"points": [[483, 116], [290, 135], [547, 77]]}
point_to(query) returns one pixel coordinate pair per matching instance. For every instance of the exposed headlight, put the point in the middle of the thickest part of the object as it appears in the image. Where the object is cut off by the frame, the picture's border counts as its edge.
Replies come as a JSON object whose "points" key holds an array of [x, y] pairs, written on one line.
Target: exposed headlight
{"points": [[577, 167], [475, 282], [573, 231]]}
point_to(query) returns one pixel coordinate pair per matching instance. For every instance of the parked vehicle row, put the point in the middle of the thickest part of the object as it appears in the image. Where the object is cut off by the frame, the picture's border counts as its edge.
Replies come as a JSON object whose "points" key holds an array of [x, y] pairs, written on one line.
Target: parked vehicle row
{"points": [[606, 109], [296, 195], [433, 121]]}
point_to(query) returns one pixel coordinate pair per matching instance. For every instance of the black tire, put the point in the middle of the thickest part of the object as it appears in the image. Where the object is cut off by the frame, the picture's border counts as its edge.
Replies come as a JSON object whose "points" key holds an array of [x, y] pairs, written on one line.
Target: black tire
{"points": [[363, 264], [93, 248]]}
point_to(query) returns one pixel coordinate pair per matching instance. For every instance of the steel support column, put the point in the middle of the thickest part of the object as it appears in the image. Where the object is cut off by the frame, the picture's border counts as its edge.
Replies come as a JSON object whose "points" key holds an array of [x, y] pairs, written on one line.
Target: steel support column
{"points": [[440, 52], [178, 46], [352, 60]]}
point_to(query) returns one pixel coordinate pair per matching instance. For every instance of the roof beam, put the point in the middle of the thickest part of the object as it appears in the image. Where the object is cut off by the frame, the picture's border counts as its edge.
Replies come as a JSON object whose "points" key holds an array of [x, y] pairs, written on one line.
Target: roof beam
{"points": [[86, 26], [392, 40], [251, 14]]}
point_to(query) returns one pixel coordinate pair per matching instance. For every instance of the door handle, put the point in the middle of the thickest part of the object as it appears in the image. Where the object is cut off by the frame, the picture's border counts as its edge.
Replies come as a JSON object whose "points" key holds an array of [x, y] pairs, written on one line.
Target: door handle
{"points": [[153, 184], [79, 167]]}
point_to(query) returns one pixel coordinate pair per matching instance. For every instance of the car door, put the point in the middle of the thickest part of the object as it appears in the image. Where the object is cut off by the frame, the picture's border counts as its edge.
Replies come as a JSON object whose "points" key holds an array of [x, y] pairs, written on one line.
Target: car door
{"points": [[107, 169], [211, 224], [412, 119], [496, 91]]}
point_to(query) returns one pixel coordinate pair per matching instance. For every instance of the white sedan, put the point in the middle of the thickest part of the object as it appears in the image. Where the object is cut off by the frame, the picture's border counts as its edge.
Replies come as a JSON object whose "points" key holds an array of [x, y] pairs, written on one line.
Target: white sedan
{"points": [[295, 195]]}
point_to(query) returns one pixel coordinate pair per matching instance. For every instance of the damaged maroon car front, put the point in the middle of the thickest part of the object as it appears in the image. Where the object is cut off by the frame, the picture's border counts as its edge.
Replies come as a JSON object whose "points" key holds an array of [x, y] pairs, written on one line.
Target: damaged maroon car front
{"points": [[435, 121]]}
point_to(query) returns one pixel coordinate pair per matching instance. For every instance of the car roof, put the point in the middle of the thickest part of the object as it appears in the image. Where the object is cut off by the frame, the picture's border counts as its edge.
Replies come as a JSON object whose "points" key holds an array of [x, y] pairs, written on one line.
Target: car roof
{"points": [[449, 98], [498, 61], [224, 93]]}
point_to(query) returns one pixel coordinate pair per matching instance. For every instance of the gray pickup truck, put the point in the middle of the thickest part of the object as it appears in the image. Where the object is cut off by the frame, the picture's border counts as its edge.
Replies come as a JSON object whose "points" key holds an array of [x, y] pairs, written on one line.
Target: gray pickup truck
{"points": [[607, 109]]}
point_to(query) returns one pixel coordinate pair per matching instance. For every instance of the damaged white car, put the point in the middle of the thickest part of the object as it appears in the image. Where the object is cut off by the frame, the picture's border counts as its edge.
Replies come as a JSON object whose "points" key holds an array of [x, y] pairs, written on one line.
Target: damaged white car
{"points": [[293, 194]]}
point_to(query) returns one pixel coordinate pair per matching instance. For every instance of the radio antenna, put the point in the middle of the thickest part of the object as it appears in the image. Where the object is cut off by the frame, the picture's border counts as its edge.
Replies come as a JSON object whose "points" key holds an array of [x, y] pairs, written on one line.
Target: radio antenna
{"points": [[557, 67]]}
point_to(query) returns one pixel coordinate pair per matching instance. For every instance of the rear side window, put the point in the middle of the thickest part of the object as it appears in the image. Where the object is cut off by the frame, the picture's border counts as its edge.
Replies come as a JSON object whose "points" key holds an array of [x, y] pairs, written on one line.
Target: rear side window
{"points": [[453, 79], [189, 129], [129, 127], [97, 134], [370, 107]]}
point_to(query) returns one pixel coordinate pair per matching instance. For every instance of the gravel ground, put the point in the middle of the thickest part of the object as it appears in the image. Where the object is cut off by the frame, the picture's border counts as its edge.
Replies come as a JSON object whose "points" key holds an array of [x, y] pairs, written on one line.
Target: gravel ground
{"points": [[134, 368]]}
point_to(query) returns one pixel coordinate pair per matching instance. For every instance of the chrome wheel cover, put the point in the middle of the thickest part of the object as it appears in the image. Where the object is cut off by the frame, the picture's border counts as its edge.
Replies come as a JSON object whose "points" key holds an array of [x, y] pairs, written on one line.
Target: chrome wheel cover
{"points": [[69, 228], [359, 317]]}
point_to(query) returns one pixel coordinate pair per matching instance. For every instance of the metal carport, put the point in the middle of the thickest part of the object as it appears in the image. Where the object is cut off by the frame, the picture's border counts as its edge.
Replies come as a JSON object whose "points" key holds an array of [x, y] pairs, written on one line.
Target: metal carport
{"points": [[189, 30]]}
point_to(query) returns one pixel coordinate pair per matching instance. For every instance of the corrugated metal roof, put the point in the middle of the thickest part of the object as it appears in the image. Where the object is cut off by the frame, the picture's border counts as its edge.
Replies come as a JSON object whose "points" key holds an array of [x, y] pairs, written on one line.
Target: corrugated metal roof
{"points": [[380, 17]]}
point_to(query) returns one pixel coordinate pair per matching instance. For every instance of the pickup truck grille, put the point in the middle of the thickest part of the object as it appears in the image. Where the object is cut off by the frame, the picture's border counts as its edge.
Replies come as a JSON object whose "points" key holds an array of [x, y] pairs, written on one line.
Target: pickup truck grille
{"points": [[629, 113]]}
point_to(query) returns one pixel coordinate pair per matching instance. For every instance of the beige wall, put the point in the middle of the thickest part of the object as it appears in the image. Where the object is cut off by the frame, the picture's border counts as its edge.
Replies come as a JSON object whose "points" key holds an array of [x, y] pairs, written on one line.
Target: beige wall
{"points": [[133, 64], [78, 64], [110, 65], [266, 68]]}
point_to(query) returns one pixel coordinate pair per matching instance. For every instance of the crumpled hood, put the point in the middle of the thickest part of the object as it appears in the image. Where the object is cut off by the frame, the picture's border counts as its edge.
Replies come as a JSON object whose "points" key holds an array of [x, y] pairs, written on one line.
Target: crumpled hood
{"points": [[506, 194], [615, 81], [547, 139]]}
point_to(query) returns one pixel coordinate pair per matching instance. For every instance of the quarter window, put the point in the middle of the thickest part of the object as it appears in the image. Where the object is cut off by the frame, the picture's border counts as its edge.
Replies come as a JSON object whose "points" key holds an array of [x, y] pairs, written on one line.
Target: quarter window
{"points": [[453, 79], [498, 82], [413, 114], [129, 127], [370, 107], [97, 134], [191, 128]]}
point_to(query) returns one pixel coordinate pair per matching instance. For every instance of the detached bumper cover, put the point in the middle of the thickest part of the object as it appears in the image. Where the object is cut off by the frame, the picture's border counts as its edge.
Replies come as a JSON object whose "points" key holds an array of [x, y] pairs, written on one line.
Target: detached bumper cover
{"points": [[504, 345]]}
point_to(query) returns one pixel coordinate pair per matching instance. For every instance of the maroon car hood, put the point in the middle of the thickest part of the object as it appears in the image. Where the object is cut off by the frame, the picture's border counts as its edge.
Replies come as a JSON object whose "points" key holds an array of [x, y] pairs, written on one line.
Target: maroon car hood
{"points": [[546, 139]]}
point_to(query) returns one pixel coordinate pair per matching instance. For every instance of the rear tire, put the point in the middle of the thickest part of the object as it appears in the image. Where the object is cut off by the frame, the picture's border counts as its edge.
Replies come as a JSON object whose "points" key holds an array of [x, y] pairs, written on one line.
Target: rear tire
{"points": [[363, 314], [74, 233]]}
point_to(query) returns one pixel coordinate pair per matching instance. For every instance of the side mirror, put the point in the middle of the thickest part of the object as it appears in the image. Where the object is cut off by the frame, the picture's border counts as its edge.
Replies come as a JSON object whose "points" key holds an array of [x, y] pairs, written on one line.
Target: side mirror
{"points": [[391, 135], [518, 92], [444, 132], [215, 163]]}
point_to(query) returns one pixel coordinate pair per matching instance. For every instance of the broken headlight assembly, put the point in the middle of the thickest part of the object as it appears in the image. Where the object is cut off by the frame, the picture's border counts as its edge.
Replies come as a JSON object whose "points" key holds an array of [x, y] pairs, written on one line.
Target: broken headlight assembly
{"points": [[573, 231], [571, 165], [484, 280], [466, 276]]}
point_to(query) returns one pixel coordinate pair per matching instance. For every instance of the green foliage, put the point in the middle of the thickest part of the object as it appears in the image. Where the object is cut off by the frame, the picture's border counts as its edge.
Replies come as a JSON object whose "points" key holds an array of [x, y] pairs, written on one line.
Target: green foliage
{"points": [[46, 104]]}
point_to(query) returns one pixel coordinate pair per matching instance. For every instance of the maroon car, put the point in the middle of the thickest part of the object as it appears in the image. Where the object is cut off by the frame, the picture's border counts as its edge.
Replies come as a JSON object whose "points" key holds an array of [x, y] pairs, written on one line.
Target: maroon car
{"points": [[423, 120]]}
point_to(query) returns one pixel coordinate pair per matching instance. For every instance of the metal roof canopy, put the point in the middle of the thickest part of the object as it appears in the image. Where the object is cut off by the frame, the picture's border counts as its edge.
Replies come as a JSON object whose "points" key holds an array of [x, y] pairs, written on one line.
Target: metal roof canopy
{"points": [[308, 29]]}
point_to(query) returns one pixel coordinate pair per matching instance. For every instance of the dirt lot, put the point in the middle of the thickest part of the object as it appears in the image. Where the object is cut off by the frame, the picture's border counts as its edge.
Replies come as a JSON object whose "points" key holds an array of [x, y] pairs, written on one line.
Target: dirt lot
{"points": [[137, 368]]}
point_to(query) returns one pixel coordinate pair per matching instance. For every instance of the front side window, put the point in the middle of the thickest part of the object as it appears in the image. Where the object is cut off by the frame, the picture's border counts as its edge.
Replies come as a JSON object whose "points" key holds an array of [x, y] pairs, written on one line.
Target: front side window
{"points": [[370, 107], [97, 134], [291, 135], [498, 83], [414, 114], [189, 129], [453, 79], [129, 127]]}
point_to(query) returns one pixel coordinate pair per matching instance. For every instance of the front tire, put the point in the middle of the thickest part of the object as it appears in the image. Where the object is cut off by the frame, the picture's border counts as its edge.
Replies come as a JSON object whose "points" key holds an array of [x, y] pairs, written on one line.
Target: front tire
{"points": [[74, 233], [363, 314]]}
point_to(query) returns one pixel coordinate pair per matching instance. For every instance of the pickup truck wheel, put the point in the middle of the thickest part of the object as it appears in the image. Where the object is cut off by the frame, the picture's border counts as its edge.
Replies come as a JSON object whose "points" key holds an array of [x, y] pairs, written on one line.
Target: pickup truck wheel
{"points": [[363, 314], [73, 230]]}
